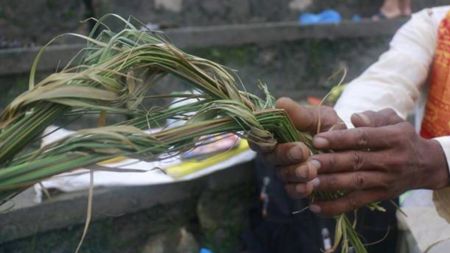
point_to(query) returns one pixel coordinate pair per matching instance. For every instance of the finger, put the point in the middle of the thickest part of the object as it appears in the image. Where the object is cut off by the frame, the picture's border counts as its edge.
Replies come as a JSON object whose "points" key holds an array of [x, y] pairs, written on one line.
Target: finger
{"points": [[361, 138], [353, 181], [288, 153], [301, 190], [299, 173], [349, 202], [307, 118], [338, 126], [349, 161], [376, 119]]}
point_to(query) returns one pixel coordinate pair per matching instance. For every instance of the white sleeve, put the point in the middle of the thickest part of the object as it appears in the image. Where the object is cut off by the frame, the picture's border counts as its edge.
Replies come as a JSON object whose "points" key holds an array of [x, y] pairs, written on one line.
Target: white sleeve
{"points": [[445, 143], [395, 80]]}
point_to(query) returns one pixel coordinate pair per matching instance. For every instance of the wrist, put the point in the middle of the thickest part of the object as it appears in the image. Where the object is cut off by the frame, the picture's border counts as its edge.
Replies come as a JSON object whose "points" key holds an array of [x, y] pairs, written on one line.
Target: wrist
{"points": [[436, 168]]}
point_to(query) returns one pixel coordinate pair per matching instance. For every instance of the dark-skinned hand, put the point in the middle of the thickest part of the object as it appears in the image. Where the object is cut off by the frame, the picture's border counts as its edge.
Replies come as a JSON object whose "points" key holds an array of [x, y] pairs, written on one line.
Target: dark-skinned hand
{"points": [[291, 158], [379, 159]]}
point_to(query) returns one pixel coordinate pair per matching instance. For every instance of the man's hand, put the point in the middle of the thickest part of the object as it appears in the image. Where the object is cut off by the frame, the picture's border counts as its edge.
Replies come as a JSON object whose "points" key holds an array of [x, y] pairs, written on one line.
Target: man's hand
{"points": [[379, 159], [375, 161], [291, 158]]}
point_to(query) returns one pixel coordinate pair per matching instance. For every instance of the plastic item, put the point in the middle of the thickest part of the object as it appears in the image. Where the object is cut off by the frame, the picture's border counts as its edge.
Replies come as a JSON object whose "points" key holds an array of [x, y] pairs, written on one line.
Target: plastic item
{"points": [[325, 17]]}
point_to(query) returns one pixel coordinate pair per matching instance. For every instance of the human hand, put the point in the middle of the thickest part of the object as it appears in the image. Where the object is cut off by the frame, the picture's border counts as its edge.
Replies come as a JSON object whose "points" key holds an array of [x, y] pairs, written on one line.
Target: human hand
{"points": [[290, 158], [379, 159]]}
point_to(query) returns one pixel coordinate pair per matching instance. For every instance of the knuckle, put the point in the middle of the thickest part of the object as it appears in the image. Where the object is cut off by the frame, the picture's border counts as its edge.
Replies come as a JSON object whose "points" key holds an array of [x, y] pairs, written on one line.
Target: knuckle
{"points": [[329, 117], [332, 181], [327, 161], [361, 138], [399, 134], [358, 181], [328, 112], [393, 162], [357, 160]]}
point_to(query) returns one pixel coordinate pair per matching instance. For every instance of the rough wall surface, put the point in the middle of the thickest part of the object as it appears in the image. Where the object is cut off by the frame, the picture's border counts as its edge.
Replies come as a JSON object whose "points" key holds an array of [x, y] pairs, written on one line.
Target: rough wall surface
{"points": [[24, 22], [167, 228]]}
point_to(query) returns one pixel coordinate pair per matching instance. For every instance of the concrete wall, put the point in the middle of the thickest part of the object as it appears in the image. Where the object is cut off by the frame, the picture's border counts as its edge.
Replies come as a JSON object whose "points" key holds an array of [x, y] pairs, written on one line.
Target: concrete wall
{"points": [[210, 211], [24, 22]]}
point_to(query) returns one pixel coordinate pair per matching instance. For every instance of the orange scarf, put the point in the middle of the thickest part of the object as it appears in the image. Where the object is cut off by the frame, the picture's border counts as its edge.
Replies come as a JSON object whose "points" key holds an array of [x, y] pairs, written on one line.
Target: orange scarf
{"points": [[437, 111]]}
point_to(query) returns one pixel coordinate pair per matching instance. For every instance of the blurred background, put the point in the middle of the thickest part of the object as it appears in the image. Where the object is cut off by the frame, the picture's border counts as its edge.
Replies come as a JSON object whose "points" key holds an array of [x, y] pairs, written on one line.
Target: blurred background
{"points": [[266, 45]]}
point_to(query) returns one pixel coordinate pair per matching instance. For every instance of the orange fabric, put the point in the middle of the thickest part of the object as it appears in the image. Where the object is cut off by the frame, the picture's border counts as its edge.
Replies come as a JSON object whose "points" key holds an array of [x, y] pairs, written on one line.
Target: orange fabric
{"points": [[437, 112]]}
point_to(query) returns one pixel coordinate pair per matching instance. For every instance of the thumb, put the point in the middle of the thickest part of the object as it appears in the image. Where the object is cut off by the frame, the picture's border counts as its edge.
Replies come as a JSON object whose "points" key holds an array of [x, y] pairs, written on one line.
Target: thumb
{"points": [[381, 118], [307, 119]]}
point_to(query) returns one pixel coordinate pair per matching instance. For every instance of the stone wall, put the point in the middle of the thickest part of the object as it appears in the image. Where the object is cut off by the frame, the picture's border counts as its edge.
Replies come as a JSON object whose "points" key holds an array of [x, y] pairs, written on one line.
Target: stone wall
{"points": [[24, 22], [212, 217]]}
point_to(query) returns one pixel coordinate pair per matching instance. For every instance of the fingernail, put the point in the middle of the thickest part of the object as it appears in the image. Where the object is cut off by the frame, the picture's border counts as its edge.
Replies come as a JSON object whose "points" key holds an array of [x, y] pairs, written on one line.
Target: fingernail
{"points": [[315, 182], [320, 142], [364, 118], [295, 153], [315, 208], [314, 164]]}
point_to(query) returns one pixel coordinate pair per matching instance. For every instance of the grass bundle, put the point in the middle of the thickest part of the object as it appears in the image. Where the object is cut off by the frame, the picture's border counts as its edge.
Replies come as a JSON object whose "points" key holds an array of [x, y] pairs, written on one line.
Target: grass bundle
{"points": [[113, 75]]}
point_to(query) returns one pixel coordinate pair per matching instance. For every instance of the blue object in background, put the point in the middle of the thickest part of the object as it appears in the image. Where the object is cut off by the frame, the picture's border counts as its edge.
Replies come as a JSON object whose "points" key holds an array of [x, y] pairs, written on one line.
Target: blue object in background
{"points": [[356, 18], [203, 250], [324, 17]]}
